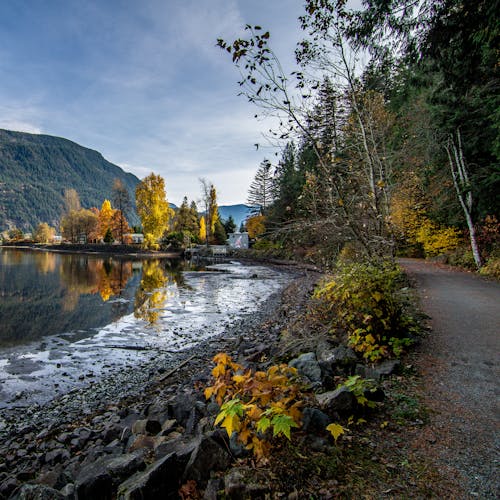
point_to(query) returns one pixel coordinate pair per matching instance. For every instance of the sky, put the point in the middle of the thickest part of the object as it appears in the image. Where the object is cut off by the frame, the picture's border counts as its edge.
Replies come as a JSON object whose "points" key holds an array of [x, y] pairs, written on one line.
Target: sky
{"points": [[143, 83]]}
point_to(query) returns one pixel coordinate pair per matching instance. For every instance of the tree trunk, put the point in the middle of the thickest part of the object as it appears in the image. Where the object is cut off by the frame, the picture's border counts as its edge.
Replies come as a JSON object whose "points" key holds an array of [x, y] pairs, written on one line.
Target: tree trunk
{"points": [[463, 188]]}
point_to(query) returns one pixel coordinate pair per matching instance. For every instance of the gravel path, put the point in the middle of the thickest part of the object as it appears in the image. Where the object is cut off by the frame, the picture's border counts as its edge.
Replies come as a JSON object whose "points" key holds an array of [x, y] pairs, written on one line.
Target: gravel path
{"points": [[460, 370]]}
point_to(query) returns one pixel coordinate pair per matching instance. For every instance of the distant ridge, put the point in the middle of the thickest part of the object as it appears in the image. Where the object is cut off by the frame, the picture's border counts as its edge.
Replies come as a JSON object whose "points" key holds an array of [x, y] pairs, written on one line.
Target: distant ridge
{"points": [[36, 169], [239, 213]]}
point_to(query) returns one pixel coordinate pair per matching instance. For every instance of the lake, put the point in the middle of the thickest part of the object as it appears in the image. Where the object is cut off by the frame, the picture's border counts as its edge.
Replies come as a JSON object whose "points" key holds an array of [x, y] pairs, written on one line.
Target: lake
{"points": [[67, 320]]}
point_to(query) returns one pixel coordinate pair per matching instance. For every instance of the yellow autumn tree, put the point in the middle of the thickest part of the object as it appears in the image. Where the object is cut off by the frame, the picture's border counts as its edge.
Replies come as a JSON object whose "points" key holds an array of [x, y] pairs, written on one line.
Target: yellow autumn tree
{"points": [[203, 229], [105, 216], [256, 225], [153, 209]]}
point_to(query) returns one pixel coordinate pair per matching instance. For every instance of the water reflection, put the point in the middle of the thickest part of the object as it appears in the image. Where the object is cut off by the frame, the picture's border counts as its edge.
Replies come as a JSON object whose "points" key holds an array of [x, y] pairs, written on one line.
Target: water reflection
{"points": [[45, 293]]}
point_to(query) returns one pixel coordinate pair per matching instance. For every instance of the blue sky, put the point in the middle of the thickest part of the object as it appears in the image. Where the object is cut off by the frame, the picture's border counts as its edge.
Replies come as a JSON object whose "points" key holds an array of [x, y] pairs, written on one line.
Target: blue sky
{"points": [[142, 82]]}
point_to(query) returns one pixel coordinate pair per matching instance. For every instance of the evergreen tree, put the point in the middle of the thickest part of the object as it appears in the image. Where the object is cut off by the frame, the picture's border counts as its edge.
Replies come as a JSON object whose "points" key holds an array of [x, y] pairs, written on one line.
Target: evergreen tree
{"points": [[260, 193]]}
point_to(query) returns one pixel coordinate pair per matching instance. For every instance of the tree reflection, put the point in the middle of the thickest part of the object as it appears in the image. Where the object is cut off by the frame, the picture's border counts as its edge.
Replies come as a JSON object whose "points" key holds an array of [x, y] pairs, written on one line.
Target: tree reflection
{"points": [[83, 275], [152, 293]]}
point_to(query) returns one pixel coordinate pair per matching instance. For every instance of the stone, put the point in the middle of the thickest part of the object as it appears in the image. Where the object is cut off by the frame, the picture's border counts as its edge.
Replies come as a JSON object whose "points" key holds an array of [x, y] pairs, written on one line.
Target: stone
{"points": [[340, 400], [99, 480], [57, 455], [68, 491], [181, 406], [377, 372], [307, 366], [168, 426], [36, 492], [160, 480], [182, 446], [314, 420], [141, 441], [212, 490], [147, 426], [8, 486], [208, 456], [338, 360]]}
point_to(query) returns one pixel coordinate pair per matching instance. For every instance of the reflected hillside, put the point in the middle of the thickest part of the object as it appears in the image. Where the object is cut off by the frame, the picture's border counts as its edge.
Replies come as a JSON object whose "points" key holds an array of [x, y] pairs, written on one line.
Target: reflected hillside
{"points": [[46, 293]]}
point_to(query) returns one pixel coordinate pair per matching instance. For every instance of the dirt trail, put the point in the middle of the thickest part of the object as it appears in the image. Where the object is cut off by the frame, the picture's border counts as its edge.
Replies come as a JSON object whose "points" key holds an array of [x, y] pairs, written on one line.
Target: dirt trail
{"points": [[459, 364]]}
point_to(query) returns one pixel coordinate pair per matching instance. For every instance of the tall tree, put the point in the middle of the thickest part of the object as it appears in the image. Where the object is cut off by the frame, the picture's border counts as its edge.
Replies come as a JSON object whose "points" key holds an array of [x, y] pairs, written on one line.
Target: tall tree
{"points": [[121, 202], [71, 201], [153, 208], [260, 192], [209, 200], [105, 217]]}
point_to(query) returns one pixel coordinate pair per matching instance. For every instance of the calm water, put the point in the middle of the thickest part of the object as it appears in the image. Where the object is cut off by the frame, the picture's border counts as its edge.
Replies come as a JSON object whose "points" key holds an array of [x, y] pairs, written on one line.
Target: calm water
{"points": [[63, 316]]}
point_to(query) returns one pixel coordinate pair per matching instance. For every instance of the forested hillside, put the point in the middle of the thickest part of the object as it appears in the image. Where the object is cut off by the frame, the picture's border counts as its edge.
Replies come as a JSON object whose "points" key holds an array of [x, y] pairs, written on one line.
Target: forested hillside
{"points": [[35, 170], [390, 128]]}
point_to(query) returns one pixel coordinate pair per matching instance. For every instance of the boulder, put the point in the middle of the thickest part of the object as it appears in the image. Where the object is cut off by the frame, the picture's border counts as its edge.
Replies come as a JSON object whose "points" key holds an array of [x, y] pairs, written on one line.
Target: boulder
{"points": [[208, 456], [160, 480], [333, 361], [307, 366], [99, 479], [314, 420], [147, 426], [36, 492], [377, 372], [341, 400]]}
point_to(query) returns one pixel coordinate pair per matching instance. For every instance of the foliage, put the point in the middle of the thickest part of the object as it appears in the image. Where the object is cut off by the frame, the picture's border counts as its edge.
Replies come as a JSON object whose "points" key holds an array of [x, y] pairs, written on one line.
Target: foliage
{"points": [[257, 405], [203, 229], [153, 209], [220, 236], [186, 220], [362, 300], [230, 225], [491, 268], [256, 225], [44, 233], [80, 224], [361, 387], [105, 216], [152, 292]]}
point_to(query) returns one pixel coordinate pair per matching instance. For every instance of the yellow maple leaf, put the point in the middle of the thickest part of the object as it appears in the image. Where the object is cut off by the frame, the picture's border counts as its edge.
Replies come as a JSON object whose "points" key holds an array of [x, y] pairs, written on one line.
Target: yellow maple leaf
{"points": [[335, 430]]}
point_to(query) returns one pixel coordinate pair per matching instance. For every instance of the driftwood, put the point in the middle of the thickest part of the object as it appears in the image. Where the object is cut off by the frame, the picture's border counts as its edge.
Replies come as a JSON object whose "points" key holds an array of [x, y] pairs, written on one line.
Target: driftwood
{"points": [[178, 367]]}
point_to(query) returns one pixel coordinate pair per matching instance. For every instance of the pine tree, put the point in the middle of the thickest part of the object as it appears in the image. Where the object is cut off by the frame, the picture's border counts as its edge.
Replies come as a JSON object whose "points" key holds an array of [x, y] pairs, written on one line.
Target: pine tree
{"points": [[260, 193]]}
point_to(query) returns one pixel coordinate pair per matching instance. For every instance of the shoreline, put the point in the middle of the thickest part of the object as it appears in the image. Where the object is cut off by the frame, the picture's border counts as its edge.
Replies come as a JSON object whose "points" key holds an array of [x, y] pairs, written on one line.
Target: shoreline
{"points": [[106, 251]]}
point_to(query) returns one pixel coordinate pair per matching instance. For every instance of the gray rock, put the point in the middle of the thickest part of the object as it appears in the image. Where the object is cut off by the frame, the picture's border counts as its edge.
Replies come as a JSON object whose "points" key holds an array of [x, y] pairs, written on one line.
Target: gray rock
{"points": [[336, 360], [57, 455], [147, 426], [168, 426], [307, 366], [314, 420], [160, 480], [181, 446], [379, 371], [340, 400], [36, 492], [208, 456], [181, 406], [212, 489], [68, 491], [99, 479]]}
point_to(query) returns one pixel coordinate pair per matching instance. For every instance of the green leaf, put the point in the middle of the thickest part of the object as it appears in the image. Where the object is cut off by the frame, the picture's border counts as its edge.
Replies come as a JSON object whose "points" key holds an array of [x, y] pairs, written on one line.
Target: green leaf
{"points": [[282, 424], [263, 424]]}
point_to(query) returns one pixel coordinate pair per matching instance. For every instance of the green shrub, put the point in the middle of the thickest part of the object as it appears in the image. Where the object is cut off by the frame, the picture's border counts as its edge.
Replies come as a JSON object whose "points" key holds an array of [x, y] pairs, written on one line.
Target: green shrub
{"points": [[491, 268], [364, 300]]}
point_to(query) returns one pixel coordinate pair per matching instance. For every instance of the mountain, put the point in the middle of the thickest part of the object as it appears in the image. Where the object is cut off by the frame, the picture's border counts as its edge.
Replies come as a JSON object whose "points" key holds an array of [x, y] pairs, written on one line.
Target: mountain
{"points": [[238, 212], [35, 170]]}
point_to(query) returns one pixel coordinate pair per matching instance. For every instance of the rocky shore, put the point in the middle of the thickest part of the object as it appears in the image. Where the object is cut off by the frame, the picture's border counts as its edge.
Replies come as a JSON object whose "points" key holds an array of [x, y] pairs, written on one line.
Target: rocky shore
{"points": [[132, 419], [149, 433]]}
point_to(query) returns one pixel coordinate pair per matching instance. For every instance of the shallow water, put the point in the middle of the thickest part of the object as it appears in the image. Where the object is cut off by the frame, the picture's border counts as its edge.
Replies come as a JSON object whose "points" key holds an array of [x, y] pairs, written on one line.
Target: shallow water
{"points": [[68, 320]]}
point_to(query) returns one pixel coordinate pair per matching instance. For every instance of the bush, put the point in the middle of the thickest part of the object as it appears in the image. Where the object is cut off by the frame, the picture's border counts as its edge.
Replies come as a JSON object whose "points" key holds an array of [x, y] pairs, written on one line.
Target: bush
{"points": [[491, 268], [364, 300]]}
